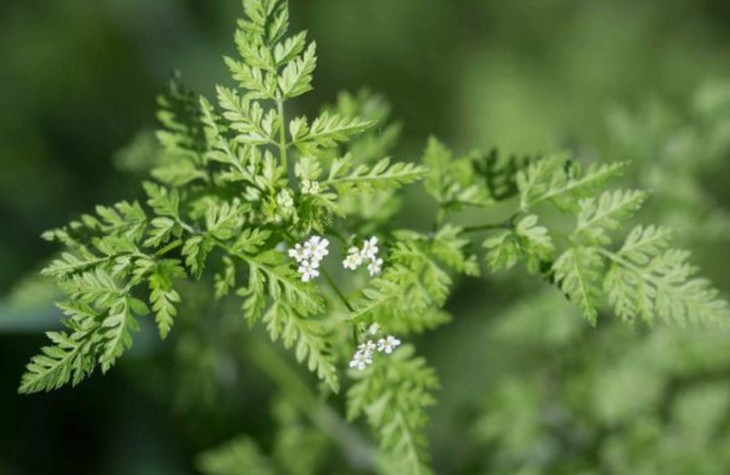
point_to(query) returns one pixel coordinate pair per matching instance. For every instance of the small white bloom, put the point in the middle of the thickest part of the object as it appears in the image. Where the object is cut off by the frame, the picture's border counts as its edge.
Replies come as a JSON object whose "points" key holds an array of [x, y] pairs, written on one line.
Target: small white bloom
{"points": [[308, 271], [367, 347], [323, 247], [310, 245], [317, 248], [388, 344], [370, 248], [297, 253], [309, 256], [375, 266], [353, 260], [374, 329], [361, 360]]}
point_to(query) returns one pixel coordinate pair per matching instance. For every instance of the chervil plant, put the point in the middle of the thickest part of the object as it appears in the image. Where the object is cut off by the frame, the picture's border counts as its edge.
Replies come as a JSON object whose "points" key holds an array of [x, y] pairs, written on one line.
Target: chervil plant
{"points": [[290, 217]]}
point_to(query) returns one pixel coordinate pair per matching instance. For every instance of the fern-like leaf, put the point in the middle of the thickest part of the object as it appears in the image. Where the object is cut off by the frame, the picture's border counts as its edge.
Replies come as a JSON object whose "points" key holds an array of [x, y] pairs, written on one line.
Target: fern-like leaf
{"points": [[648, 277], [606, 213], [240, 456], [163, 296], [578, 273], [307, 336], [528, 241], [381, 176], [394, 395], [71, 358]]}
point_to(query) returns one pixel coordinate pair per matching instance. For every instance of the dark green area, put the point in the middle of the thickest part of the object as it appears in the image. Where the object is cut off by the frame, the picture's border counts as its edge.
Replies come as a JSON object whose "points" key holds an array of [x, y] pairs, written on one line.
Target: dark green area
{"points": [[528, 386]]}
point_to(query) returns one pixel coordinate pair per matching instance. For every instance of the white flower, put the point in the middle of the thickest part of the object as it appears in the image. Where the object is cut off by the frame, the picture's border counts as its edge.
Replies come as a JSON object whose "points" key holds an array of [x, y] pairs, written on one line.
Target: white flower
{"points": [[317, 248], [353, 260], [370, 248], [361, 360], [388, 344], [297, 253], [309, 271], [375, 266], [374, 329], [311, 245], [367, 348], [369, 253]]}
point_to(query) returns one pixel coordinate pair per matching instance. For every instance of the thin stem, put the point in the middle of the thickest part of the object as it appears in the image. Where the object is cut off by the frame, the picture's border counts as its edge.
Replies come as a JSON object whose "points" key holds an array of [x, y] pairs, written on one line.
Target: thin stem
{"points": [[337, 290], [282, 139], [186, 227], [173, 245], [357, 449], [507, 224]]}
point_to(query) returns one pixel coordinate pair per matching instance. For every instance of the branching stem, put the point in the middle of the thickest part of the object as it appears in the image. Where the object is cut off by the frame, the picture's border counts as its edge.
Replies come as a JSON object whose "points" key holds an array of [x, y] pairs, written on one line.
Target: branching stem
{"points": [[337, 290], [173, 245], [282, 140], [507, 224]]}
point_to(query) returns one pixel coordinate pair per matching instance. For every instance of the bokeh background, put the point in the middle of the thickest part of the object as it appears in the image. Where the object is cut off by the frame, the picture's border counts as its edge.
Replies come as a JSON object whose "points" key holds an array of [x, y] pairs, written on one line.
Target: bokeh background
{"points": [[528, 387]]}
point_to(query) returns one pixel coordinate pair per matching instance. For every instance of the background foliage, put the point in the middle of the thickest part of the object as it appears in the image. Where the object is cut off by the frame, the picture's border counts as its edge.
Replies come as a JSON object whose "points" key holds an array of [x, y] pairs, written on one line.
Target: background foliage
{"points": [[527, 386]]}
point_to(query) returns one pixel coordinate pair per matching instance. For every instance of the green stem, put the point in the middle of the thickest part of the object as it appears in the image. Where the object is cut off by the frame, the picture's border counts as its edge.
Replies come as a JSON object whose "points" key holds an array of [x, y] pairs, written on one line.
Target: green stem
{"points": [[337, 290], [282, 140], [358, 451], [507, 224], [173, 245]]}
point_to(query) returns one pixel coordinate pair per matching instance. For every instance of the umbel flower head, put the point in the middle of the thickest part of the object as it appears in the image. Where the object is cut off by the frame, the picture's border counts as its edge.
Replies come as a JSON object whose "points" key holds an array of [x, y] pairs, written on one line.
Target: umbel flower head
{"points": [[363, 357], [368, 253], [309, 256]]}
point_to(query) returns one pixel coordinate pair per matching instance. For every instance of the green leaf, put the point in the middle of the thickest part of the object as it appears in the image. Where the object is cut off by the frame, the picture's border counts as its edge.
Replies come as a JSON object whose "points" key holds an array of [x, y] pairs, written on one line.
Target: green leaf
{"points": [[225, 281], [605, 213], [179, 173], [528, 241], [68, 264], [296, 78], [250, 241], [308, 337], [449, 246], [403, 298], [394, 394], [71, 358], [327, 131], [95, 287], [162, 229], [240, 456], [163, 297], [556, 179], [451, 181], [224, 221], [270, 276], [116, 332], [381, 176], [259, 84], [500, 173], [578, 273], [182, 137], [164, 202], [196, 250], [290, 48], [647, 278]]}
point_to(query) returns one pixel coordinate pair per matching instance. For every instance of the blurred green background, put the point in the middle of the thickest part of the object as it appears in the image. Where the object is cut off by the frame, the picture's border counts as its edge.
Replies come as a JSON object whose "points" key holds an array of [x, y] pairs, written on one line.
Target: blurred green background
{"points": [[528, 387]]}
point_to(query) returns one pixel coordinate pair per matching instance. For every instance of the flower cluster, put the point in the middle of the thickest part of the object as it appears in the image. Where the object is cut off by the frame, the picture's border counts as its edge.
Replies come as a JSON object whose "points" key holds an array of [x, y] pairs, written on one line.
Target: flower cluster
{"points": [[309, 255], [368, 253], [364, 355]]}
